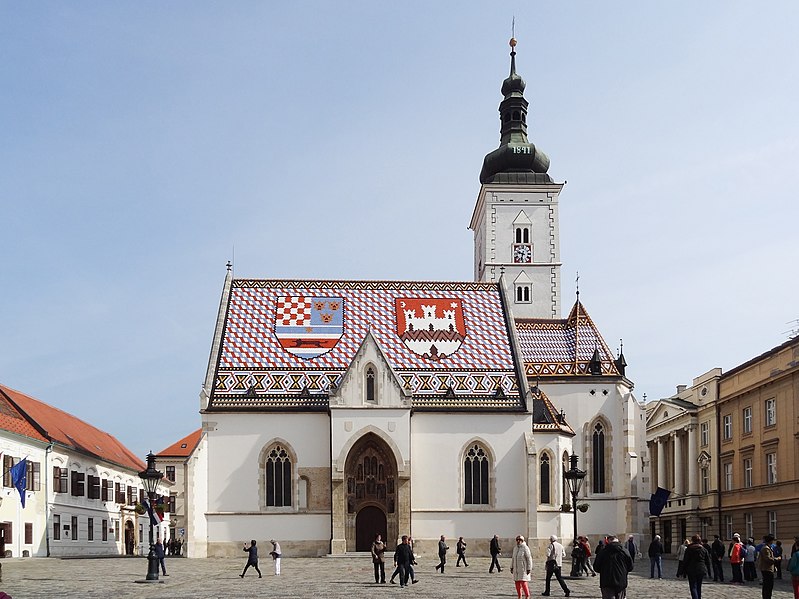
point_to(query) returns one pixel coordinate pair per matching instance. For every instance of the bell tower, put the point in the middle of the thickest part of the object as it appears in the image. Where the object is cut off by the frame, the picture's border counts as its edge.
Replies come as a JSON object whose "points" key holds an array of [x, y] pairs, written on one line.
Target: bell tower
{"points": [[515, 218]]}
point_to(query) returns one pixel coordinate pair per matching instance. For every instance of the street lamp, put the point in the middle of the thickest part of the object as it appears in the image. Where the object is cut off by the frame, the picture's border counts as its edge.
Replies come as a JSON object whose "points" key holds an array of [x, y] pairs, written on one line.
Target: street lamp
{"points": [[150, 479], [574, 478]]}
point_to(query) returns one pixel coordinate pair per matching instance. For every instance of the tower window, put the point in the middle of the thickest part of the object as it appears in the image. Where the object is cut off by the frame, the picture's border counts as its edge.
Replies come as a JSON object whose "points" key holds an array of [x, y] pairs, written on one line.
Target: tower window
{"points": [[522, 294], [517, 115], [522, 235]]}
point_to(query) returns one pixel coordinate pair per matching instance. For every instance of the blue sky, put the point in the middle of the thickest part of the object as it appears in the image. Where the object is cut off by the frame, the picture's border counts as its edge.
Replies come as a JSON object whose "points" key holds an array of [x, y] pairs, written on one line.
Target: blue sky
{"points": [[141, 142]]}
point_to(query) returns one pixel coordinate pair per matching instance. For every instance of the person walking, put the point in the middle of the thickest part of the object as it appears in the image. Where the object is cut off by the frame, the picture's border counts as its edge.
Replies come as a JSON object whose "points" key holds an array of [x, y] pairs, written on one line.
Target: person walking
{"points": [[793, 570], [521, 566], [717, 559], [554, 555], [765, 563], [613, 564], [159, 553], [696, 565], [411, 573], [585, 557], [379, 561], [460, 548], [655, 557], [736, 559], [252, 558], [275, 553], [495, 551], [442, 553], [403, 556], [632, 548]]}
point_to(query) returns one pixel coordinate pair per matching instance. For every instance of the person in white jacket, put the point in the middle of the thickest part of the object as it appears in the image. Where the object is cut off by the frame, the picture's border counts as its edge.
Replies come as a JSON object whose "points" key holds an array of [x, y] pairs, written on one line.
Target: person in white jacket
{"points": [[555, 554], [521, 565]]}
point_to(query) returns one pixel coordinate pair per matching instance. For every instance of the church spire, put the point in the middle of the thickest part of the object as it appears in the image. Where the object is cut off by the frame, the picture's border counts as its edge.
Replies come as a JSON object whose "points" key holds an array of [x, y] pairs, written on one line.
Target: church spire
{"points": [[515, 153]]}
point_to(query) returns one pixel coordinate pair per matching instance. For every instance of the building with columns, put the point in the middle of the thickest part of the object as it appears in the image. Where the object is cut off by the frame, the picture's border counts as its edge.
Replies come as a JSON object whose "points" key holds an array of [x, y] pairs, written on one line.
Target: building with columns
{"points": [[334, 410], [726, 447]]}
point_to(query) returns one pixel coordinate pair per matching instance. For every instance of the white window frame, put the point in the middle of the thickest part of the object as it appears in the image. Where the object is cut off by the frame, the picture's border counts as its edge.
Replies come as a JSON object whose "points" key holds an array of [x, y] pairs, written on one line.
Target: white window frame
{"points": [[747, 424], [772, 523], [728, 526], [750, 530], [771, 468], [727, 426], [704, 478], [771, 412], [704, 434], [728, 477], [747, 464]]}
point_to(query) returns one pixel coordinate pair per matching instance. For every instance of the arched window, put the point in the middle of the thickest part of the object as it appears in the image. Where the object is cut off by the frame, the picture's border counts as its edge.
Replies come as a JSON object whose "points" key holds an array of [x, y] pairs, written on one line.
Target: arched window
{"points": [[517, 116], [278, 477], [522, 294], [525, 235], [545, 479], [475, 476], [371, 388], [598, 458]]}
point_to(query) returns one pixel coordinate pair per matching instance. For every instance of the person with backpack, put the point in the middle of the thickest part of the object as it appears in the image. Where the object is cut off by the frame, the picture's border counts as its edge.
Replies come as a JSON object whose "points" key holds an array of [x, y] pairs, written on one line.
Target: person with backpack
{"points": [[736, 559], [613, 564]]}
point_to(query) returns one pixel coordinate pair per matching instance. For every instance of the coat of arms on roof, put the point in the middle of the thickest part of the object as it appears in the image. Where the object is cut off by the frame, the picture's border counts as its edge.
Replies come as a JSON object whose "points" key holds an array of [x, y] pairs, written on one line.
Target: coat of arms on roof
{"points": [[431, 327], [309, 326]]}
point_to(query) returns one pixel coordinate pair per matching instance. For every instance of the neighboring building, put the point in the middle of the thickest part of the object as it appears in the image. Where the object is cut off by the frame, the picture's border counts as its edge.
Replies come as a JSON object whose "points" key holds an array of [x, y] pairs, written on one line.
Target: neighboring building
{"points": [[727, 450], [83, 485], [176, 462], [332, 410]]}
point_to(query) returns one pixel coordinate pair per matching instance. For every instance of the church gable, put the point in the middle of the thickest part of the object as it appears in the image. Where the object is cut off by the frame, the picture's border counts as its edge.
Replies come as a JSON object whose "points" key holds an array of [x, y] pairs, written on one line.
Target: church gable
{"points": [[564, 347], [288, 344]]}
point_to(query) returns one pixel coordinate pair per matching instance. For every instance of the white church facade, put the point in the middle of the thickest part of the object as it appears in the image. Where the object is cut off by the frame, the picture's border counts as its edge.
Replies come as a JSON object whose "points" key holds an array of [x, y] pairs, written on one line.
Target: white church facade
{"points": [[334, 410]]}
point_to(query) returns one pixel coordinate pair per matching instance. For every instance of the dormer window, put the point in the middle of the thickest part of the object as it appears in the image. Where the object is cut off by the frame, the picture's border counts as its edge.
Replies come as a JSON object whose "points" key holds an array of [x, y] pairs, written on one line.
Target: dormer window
{"points": [[370, 385]]}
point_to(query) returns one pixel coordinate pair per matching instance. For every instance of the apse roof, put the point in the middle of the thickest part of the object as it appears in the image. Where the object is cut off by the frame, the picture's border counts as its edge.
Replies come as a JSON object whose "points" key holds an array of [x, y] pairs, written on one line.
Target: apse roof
{"points": [[288, 343], [563, 347], [72, 432]]}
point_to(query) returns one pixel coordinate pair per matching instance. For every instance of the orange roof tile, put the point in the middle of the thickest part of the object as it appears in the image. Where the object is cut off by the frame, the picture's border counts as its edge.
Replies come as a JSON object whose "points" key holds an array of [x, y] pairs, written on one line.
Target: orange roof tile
{"points": [[11, 420], [182, 448], [72, 432]]}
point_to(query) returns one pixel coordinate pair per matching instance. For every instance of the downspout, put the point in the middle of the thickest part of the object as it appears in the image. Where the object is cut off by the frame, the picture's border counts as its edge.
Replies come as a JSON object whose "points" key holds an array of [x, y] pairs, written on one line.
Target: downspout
{"points": [[47, 451], [718, 459]]}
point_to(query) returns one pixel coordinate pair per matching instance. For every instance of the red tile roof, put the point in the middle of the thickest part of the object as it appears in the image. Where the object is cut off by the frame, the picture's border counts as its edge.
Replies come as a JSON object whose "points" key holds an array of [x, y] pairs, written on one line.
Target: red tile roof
{"points": [[72, 432], [182, 448], [11, 420]]}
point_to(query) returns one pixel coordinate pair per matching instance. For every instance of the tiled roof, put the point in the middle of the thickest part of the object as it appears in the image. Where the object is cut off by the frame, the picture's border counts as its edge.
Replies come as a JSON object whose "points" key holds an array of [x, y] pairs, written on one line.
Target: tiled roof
{"points": [[545, 417], [13, 421], [563, 347], [182, 448], [287, 343], [72, 432]]}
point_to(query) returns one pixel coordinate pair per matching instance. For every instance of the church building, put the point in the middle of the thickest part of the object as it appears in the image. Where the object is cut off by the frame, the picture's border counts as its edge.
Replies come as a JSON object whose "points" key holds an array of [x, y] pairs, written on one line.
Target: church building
{"points": [[335, 410]]}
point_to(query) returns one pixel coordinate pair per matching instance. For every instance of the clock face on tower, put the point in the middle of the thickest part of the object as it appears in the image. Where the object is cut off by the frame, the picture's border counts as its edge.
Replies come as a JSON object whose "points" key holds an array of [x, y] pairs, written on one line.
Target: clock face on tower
{"points": [[522, 253]]}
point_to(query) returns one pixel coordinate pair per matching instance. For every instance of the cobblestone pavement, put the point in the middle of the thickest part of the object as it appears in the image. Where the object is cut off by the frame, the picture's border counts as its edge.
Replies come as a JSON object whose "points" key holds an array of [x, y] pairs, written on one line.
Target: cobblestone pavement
{"points": [[337, 578]]}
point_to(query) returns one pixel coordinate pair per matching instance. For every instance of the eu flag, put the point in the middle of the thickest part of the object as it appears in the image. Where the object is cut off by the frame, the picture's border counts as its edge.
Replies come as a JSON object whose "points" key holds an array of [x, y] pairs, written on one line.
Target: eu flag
{"points": [[19, 478], [658, 501]]}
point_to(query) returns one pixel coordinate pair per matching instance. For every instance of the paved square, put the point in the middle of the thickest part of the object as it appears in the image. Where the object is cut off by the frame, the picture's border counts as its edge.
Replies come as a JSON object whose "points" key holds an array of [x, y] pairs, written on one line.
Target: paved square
{"points": [[338, 578]]}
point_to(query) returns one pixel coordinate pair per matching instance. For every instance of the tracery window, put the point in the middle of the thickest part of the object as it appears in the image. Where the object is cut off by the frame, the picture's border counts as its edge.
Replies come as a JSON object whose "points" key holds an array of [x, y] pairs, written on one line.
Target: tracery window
{"points": [[475, 475], [545, 474], [278, 478], [598, 458], [371, 390]]}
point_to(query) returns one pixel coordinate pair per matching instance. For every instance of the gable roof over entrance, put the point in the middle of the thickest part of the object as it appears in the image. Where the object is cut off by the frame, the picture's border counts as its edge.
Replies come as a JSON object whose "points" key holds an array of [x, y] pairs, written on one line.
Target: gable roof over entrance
{"points": [[288, 343]]}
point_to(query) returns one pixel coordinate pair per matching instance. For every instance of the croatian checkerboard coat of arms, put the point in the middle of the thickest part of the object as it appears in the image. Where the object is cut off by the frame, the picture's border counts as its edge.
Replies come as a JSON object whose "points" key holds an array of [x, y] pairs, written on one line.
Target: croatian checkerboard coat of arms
{"points": [[432, 328], [309, 326]]}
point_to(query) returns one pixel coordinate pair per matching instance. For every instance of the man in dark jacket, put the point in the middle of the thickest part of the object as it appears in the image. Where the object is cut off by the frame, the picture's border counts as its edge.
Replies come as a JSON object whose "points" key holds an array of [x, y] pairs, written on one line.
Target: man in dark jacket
{"points": [[696, 565], [496, 551], [613, 564], [442, 553], [716, 559], [655, 557], [403, 556]]}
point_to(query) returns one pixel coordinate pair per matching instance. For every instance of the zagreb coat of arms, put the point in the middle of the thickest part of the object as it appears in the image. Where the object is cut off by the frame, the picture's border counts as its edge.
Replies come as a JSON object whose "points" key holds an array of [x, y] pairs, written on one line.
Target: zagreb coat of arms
{"points": [[309, 326], [432, 328]]}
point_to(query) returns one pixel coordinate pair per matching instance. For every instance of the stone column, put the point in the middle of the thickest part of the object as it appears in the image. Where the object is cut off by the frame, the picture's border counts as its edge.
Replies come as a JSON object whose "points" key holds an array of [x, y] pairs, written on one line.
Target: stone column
{"points": [[678, 465], [661, 478], [693, 470]]}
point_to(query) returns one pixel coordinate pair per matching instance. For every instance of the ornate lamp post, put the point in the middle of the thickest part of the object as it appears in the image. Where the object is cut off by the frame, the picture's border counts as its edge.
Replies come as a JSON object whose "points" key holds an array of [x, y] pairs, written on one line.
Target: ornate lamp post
{"points": [[574, 478], [150, 479]]}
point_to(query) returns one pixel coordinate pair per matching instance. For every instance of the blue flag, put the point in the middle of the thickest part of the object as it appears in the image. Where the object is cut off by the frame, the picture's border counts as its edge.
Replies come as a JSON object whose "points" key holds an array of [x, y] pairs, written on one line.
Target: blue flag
{"points": [[19, 478], [658, 501]]}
